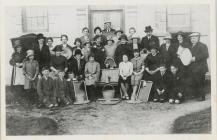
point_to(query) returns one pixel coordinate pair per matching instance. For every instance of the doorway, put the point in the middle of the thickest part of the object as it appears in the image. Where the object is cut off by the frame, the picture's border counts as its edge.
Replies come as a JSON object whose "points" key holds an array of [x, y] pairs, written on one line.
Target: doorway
{"points": [[99, 17]]}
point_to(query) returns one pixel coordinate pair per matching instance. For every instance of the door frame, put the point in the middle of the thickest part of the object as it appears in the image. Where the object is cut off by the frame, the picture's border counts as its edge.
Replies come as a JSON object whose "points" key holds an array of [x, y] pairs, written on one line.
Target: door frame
{"points": [[92, 9]]}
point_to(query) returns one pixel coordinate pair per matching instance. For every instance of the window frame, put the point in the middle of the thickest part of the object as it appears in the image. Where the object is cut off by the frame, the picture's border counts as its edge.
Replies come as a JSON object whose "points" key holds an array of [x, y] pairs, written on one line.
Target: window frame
{"points": [[24, 22]]}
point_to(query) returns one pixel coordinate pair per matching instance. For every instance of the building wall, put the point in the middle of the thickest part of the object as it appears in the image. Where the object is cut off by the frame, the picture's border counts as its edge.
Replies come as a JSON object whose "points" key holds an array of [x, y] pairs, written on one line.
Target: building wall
{"points": [[137, 16]]}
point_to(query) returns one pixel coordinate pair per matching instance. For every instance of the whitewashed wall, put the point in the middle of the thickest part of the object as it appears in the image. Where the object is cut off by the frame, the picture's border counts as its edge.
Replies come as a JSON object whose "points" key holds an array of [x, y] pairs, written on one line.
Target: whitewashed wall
{"points": [[71, 19]]}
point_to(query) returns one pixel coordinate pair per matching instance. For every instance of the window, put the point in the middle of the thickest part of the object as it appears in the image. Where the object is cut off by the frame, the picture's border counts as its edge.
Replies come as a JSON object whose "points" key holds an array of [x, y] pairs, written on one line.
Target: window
{"points": [[178, 18], [35, 19]]}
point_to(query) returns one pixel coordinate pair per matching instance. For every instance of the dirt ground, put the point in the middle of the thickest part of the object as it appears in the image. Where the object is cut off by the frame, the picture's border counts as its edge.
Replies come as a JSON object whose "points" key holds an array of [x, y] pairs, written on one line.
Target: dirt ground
{"points": [[94, 118]]}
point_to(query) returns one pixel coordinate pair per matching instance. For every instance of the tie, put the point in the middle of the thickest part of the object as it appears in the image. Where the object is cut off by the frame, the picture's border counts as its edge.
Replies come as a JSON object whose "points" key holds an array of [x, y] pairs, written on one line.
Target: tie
{"points": [[78, 64]]}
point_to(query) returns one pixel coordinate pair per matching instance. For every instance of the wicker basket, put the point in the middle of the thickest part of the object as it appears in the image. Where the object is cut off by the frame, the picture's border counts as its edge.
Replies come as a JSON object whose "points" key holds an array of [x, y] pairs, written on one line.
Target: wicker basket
{"points": [[108, 94]]}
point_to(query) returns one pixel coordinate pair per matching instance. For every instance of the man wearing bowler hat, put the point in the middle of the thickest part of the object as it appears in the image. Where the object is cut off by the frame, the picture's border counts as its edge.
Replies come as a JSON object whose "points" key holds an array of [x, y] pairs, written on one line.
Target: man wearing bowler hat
{"points": [[149, 40], [108, 31], [198, 66], [122, 48]]}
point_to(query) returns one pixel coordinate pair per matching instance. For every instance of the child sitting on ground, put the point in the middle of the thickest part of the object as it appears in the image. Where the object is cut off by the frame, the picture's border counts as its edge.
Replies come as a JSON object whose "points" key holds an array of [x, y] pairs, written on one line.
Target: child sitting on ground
{"points": [[61, 89], [161, 84], [176, 87], [45, 89]]}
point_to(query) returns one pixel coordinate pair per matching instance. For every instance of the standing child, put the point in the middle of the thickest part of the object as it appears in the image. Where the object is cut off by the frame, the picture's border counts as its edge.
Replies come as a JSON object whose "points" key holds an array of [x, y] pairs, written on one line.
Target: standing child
{"points": [[45, 89], [61, 89], [30, 71], [125, 72], [161, 84]]}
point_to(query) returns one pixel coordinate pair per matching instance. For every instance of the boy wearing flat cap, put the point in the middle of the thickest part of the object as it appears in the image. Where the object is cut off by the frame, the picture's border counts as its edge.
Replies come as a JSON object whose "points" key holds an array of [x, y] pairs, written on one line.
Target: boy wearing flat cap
{"points": [[149, 39], [45, 89], [161, 84], [198, 66], [60, 90], [176, 88]]}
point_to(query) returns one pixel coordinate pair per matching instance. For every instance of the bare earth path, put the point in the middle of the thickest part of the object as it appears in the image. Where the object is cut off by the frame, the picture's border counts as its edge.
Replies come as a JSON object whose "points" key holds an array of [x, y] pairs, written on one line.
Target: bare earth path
{"points": [[123, 118]]}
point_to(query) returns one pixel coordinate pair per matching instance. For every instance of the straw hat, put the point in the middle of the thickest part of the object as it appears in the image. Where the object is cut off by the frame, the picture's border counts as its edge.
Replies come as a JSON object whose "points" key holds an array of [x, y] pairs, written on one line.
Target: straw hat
{"points": [[194, 34], [135, 36], [168, 36], [29, 53], [123, 36]]}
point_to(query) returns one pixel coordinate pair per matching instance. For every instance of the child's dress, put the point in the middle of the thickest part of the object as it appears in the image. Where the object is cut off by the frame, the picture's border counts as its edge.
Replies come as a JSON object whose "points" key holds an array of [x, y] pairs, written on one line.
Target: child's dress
{"points": [[30, 68]]}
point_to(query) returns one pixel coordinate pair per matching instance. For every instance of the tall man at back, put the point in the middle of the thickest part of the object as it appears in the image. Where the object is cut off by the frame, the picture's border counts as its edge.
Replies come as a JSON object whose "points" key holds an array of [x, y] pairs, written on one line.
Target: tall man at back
{"points": [[149, 40], [198, 66]]}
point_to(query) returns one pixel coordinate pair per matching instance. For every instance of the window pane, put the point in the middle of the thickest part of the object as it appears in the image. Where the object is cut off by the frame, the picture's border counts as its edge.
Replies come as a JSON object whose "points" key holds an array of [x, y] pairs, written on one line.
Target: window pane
{"points": [[35, 19], [178, 18]]}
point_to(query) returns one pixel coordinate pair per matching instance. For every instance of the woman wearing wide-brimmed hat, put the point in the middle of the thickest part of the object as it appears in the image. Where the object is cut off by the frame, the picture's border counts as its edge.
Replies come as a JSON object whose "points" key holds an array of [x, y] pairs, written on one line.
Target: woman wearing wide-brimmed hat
{"points": [[135, 43], [76, 65], [99, 51], [118, 34], [42, 52], [122, 49], [167, 51], [182, 46], [17, 62], [98, 31], [78, 45], [58, 62]]}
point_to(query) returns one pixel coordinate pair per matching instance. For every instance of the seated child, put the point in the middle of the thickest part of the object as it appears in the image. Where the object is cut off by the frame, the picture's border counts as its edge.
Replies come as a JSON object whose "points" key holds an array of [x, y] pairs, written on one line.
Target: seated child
{"points": [[45, 89], [61, 89], [176, 88], [125, 72], [161, 84]]}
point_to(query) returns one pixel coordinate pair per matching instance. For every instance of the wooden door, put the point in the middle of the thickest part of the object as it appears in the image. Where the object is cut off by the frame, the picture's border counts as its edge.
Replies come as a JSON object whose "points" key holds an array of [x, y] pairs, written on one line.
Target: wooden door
{"points": [[98, 18]]}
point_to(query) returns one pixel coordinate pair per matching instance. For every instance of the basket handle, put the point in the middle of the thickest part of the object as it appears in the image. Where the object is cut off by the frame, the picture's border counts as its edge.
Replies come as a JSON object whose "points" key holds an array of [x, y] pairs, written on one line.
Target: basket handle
{"points": [[108, 85]]}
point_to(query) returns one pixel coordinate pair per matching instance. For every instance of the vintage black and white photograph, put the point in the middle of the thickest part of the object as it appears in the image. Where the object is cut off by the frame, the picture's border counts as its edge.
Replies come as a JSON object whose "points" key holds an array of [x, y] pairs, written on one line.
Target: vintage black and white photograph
{"points": [[90, 69]]}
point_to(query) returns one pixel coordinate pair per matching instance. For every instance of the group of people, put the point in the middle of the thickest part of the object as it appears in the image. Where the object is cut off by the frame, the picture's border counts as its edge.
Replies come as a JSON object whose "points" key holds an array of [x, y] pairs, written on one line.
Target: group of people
{"points": [[50, 70]]}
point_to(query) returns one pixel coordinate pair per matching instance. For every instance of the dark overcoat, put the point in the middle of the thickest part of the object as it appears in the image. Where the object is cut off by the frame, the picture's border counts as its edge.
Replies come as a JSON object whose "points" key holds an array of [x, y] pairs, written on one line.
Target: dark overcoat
{"points": [[148, 43]]}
